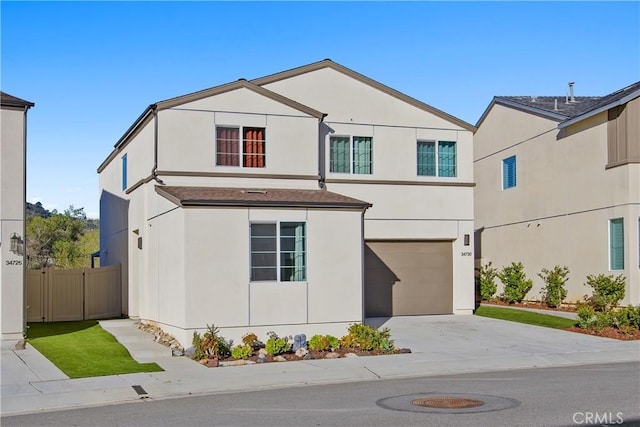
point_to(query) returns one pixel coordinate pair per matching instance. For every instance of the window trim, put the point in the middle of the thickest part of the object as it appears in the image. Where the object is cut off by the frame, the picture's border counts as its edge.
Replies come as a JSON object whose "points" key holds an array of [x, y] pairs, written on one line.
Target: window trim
{"points": [[352, 154], [620, 221], [436, 144], [241, 151], [515, 172], [279, 266]]}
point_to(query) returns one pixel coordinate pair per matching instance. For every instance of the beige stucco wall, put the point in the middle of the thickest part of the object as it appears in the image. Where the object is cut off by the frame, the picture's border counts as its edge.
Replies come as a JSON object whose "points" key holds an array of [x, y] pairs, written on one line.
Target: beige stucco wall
{"points": [[559, 211], [216, 287], [12, 205]]}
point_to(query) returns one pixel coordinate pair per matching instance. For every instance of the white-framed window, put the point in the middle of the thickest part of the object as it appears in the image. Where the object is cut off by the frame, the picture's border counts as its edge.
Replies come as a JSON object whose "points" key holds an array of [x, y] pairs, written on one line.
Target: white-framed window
{"points": [[509, 172], [616, 244], [278, 251], [437, 158], [248, 151], [351, 154]]}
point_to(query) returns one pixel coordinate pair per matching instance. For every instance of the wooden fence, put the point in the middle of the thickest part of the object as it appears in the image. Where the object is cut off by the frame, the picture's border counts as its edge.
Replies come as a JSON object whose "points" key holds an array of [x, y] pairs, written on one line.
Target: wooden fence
{"points": [[79, 294]]}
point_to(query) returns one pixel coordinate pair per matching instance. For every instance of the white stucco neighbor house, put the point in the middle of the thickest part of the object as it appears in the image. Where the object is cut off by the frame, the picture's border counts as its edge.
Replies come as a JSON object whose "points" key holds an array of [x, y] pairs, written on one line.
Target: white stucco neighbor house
{"points": [[13, 144], [558, 183], [299, 202]]}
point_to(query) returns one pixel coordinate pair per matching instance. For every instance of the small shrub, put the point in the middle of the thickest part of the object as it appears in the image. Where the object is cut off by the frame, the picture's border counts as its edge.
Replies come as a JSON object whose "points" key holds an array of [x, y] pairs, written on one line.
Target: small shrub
{"points": [[276, 345], [516, 284], [211, 344], [365, 337], [488, 286], [629, 316], [555, 290], [242, 351], [608, 291], [586, 316], [324, 343], [249, 339]]}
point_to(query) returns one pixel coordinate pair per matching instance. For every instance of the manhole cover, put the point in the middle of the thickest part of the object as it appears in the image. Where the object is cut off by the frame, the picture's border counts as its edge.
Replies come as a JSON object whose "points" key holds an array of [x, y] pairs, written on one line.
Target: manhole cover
{"points": [[448, 402]]}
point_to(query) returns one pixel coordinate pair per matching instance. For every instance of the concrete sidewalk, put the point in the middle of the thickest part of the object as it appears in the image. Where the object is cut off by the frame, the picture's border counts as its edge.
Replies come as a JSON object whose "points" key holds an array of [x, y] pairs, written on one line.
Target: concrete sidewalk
{"points": [[440, 345]]}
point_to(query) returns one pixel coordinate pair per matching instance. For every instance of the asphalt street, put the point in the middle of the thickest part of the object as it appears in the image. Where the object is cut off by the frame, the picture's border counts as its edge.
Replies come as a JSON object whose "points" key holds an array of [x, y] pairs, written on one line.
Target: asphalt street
{"points": [[599, 394]]}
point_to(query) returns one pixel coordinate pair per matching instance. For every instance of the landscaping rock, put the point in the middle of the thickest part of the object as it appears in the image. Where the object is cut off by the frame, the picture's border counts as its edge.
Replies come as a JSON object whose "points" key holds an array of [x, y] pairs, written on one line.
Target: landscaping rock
{"points": [[302, 352], [351, 355], [279, 359], [176, 352], [332, 355], [262, 351], [308, 356]]}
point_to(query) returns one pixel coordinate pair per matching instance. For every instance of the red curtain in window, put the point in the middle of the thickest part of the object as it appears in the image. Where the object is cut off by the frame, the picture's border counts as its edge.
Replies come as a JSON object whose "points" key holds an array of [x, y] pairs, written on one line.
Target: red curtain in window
{"points": [[253, 147], [228, 147]]}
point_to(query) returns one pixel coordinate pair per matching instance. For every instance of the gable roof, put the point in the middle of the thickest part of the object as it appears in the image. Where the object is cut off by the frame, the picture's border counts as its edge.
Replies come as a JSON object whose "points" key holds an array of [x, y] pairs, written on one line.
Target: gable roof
{"points": [[328, 63], [251, 197], [7, 100], [561, 109]]}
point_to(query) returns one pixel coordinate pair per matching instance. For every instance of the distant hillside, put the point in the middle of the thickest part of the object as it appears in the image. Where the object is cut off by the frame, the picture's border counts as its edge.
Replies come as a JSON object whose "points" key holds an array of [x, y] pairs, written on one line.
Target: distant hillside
{"points": [[37, 210]]}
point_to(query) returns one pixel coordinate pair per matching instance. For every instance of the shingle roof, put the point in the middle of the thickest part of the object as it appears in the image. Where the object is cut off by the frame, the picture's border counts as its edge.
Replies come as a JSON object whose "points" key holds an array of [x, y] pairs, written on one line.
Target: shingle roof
{"points": [[562, 109], [270, 197], [12, 101]]}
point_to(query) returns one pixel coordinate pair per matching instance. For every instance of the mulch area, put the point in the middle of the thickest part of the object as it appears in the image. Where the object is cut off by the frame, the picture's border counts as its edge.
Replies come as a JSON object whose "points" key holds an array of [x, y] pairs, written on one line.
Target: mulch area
{"points": [[341, 352], [603, 332]]}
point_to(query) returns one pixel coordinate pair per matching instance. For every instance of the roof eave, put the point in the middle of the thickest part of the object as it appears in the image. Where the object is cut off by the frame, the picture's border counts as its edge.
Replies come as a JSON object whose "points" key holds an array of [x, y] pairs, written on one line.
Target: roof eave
{"points": [[599, 110]]}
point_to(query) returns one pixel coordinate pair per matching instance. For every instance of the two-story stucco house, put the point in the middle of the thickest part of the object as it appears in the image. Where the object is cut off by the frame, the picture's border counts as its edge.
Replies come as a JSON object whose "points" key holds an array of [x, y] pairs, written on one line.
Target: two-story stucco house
{"points": [[13, 144], [302, 201], [558, 183]]}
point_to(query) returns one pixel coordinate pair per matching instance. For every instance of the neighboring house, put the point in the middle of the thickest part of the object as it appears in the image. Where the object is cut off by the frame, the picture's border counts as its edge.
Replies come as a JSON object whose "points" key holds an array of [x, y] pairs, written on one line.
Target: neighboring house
{"points": [[558, 183], [13, 144], [298, 202]]}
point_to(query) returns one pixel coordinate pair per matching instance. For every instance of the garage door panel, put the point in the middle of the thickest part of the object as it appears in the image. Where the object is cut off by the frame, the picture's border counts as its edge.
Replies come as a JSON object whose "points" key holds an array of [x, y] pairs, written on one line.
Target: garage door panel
{"points": [[408, 278]]}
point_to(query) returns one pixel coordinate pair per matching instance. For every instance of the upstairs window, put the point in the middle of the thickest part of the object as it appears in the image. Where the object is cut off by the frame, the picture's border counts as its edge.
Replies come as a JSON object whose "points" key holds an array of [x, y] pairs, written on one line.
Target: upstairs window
{"points": [[229, 150], [124, 172], [437, 158], [616, 244], [278, 252], [509, 172], [351, 154]]}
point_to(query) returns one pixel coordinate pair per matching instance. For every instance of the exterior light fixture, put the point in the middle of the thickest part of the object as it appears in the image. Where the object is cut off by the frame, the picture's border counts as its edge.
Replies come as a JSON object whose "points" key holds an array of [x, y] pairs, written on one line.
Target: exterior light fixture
{"points": [[17, 244]]}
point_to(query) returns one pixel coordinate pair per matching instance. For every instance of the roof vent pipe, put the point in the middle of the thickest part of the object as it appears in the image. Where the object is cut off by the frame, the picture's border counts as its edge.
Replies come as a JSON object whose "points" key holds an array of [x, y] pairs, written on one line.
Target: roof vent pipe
{"points": [[571, 98], [555, 104]]}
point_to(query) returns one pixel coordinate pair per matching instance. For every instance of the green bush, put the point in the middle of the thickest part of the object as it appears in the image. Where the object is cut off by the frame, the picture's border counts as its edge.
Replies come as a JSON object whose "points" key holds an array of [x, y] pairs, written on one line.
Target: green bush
{"points": [[608, 291], [555, 290], [276, 345], [364, 337], [211, 344], [516, 284], [324, 343], [488, 286], [242, 352], [586, 316], [629, 316]]}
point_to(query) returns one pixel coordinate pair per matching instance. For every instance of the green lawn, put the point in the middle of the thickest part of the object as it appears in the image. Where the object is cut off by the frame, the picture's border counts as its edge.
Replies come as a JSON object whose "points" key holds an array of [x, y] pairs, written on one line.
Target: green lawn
{"points": [[522, 316], [83, 349]]}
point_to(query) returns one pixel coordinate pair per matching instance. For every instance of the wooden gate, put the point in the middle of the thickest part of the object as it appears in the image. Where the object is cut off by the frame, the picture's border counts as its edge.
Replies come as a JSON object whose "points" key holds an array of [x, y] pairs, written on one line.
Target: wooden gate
{"points": [[78, 294]]}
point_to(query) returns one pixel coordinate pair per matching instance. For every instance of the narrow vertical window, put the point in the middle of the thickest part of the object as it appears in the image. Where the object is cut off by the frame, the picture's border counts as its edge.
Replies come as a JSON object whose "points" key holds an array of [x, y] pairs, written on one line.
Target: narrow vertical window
{"points": [[124, 172], [362, 155], [426, 158], [253, 147], [264, 252], [227, 146], [509, 172], [447, 159], [293, 252], [616, 244], [339, 154]]}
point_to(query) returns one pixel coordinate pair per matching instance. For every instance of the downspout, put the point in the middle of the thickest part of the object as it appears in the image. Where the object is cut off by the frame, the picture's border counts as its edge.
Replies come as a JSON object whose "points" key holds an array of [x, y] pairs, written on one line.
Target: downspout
{"points": [[24, 225], [154, 173], [321, 151]]}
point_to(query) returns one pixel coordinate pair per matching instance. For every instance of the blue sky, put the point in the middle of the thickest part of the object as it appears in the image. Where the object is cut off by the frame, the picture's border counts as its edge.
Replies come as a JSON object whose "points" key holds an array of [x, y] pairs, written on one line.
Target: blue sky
{"points": [[92, 67]]}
